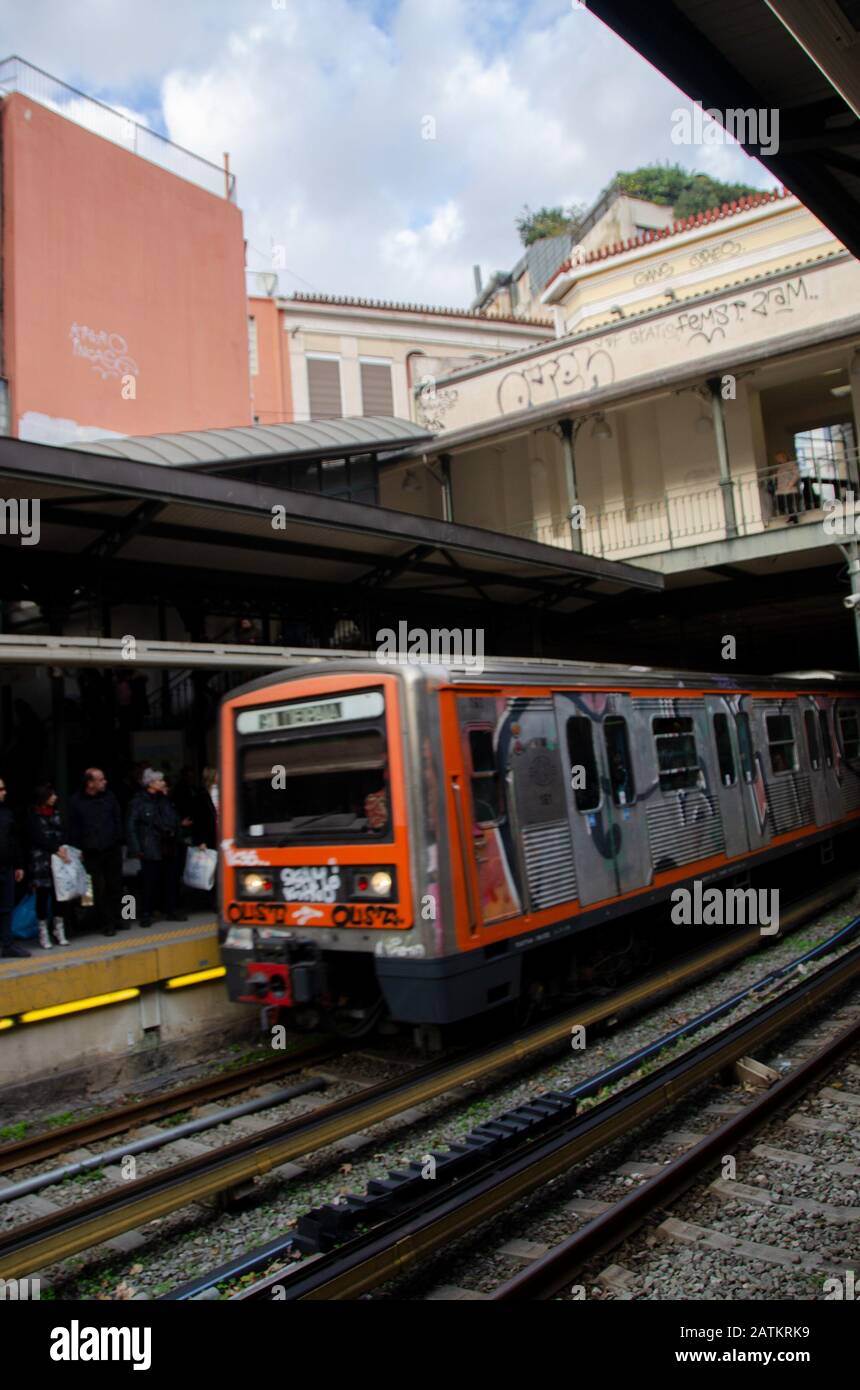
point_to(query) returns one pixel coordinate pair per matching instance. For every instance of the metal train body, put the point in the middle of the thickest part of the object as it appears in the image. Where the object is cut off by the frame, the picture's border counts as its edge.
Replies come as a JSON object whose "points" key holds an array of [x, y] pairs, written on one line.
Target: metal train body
{"points": [[419, 839]]}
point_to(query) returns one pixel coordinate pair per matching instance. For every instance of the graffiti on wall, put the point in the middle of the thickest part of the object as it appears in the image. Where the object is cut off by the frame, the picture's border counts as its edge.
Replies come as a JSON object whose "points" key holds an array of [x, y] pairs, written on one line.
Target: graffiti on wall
{"points": [[433, 406], [577, 370], [107, 353], [565, 375]]}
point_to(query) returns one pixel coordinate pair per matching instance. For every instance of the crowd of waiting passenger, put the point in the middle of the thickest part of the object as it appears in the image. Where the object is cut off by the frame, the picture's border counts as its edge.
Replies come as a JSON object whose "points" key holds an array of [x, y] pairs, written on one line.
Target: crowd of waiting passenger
{"points": [[147, 843]]}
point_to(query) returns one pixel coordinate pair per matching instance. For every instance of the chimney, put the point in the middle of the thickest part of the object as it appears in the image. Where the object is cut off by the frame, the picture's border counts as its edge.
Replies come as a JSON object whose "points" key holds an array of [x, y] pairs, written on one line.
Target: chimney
{"points": [[476, 271]]}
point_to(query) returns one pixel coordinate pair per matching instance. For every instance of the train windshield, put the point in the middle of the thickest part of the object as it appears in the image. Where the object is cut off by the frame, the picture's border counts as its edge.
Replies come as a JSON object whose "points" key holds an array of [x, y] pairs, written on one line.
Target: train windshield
{"points": [[315, 771]]}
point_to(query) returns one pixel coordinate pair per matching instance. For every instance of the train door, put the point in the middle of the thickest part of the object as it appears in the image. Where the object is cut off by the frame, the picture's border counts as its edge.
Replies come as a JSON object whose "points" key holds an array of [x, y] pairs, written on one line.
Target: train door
{"points": [[816, 750], [756, 812], [846, 725], [730, 779], [498, 896], [826, 715], [610, 837]]}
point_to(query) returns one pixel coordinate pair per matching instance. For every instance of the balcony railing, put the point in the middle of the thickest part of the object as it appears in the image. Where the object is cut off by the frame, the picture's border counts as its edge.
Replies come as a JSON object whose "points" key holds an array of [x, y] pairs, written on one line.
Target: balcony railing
{"points": [[695, 515], [16, 75]]}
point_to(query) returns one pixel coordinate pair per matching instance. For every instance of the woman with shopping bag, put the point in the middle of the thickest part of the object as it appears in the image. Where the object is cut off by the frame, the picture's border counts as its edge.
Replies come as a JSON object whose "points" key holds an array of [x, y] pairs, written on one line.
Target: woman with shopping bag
{"points": [[47, 837]]}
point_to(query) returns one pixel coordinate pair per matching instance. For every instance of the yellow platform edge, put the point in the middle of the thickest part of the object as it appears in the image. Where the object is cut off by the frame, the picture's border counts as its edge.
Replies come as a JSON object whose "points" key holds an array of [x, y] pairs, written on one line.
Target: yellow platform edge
{"points": [[133, 969]]}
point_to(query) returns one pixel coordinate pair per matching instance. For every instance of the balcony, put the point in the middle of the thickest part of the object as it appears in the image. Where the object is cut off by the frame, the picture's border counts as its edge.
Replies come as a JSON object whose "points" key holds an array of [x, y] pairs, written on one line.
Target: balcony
{"points": [[692, 515], [16, 75]]}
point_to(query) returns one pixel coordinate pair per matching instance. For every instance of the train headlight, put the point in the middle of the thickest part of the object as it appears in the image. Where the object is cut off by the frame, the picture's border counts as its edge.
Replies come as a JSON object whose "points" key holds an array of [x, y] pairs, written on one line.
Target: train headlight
{"points": [[257, 885], [380, 883]]}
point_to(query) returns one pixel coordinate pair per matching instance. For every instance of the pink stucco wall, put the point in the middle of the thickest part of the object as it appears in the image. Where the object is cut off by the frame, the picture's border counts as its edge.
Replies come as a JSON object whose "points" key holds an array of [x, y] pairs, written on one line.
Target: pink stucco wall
{"points": [[113, 268]]}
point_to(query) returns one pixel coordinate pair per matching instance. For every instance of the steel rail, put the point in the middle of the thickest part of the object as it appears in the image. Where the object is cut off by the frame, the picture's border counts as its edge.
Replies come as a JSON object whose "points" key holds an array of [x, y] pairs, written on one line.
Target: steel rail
{"points": [[37, 1244], [547, 1275], [373, 1259], [36, 1147]]}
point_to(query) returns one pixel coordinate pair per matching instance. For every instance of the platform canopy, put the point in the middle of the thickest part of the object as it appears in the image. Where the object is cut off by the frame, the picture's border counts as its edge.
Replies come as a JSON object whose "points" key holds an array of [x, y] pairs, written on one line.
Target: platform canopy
{"points": [[795, 58], [121, 528], [213, 451]]}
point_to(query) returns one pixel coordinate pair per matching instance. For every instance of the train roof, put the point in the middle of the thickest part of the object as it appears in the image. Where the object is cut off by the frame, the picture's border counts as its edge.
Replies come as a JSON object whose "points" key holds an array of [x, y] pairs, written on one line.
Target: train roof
{"points": [[547, 671]]}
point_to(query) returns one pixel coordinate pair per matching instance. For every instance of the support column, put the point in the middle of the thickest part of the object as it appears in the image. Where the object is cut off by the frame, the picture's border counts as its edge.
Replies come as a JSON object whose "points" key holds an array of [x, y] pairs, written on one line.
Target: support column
{"points": [[714, 385], [447, 499], [567, 437], [58, 728], [165, 675]]}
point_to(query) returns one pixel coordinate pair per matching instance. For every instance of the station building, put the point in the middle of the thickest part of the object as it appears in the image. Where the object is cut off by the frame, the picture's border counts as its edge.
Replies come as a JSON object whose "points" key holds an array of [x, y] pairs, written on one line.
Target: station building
{"points": [[699, 410], [651, 383]]}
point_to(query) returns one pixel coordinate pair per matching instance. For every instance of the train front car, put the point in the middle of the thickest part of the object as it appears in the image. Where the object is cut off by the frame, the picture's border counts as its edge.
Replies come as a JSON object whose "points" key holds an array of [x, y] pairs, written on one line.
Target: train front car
{"points": [[325, 863]]}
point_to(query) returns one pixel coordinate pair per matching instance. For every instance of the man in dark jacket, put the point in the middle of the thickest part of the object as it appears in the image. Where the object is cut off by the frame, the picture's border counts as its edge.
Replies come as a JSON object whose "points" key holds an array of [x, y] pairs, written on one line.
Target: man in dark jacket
{"points": [[95, 828], [152, 836], [11, 872]]}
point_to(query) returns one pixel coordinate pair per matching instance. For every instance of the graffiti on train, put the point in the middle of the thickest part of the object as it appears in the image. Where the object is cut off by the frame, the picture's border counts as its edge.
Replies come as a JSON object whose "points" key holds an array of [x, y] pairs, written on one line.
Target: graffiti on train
{"points": [[568, 374]]}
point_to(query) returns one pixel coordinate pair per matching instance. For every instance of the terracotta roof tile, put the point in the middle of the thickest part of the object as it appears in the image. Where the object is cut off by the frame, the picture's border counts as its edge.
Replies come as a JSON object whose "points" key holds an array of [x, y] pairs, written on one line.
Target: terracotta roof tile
{"points": [[351, 302], [696, 219]]}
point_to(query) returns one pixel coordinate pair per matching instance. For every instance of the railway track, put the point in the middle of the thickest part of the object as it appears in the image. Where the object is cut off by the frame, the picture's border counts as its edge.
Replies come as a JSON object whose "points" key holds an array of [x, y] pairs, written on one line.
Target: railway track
{"points": [[554, 1271], [34, 1148], [39, 1244], [432, 1222]]}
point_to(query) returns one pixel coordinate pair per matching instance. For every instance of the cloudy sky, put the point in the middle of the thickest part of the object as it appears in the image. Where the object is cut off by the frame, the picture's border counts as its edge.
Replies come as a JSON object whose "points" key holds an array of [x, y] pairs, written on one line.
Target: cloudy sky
{"points": [[325, 107]]}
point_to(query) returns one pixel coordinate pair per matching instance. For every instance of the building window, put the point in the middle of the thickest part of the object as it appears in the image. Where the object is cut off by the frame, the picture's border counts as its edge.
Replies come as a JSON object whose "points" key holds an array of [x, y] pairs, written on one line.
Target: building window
{"points": [[580, 748], [849, 733], [253, 350], [377, 395], [780, 742], [677, 762], [324, 388], [353, 480], [486, 790], [725, 756]]}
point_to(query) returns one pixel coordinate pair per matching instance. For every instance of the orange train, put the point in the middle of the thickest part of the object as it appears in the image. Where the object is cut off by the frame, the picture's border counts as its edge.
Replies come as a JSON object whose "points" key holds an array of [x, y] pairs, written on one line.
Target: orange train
{"points": [[426, 843]]}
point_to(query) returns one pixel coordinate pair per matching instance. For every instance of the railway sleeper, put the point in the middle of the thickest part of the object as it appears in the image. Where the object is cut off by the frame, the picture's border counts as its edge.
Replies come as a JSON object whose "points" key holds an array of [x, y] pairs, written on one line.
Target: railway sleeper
{"points": [[326, 1226]]}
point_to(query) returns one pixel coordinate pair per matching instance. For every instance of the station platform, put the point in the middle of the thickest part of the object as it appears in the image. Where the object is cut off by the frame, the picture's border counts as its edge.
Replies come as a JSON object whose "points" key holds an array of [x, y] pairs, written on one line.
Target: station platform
{"points": [[115, 1008], [93, 966]]}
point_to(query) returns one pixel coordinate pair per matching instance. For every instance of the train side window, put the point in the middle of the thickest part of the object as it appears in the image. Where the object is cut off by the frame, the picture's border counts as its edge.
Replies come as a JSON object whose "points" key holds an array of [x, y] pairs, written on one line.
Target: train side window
{"points": [[849, 732], [580, 748], [742, 724], [826, 741], [812, 739], [725, 755], [780, 742], [677, 761], [618, 757], [486, 783]]}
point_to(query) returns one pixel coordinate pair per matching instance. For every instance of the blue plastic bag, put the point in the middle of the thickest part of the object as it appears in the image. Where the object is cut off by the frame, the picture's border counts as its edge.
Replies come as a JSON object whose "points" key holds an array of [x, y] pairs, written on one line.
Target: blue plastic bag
{"points": [[24, 923]]}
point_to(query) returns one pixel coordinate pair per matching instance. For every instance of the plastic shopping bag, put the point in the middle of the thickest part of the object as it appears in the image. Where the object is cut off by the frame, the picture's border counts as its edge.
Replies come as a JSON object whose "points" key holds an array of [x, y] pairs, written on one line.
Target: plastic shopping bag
{"points": [[200, 867], [24, 924], [70, 880], [130, 865]]}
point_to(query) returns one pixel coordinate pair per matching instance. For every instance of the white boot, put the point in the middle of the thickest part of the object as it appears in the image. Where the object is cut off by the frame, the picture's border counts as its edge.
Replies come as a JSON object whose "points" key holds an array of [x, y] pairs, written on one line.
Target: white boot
{"points": [[60, 932], [44, 939]]}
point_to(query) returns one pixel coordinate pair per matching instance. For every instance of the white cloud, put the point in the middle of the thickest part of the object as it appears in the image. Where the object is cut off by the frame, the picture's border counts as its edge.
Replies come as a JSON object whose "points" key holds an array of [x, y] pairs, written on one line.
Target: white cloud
{"points": [[321, 110]]}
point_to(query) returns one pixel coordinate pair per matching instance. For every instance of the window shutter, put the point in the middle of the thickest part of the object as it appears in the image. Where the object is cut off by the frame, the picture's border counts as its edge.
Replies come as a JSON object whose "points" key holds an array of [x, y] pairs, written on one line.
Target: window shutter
{"points": [[324, 389], [377, 397]]}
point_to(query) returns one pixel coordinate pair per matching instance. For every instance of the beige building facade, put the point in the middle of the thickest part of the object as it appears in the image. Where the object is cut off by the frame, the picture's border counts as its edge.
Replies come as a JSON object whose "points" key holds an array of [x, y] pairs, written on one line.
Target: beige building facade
{"points": [[326, 356], [699, 358]]}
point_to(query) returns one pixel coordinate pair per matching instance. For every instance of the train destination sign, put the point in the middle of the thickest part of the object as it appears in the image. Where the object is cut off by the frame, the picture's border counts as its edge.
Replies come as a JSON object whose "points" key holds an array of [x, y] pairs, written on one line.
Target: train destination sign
{"points": [[362, 705]]}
